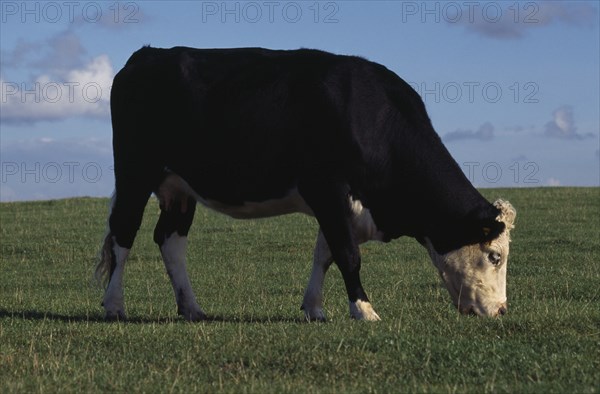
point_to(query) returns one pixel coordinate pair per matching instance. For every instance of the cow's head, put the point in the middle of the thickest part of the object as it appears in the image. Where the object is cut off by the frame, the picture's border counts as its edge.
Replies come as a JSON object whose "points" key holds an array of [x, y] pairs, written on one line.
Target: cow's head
{"points": [[475, 275]]}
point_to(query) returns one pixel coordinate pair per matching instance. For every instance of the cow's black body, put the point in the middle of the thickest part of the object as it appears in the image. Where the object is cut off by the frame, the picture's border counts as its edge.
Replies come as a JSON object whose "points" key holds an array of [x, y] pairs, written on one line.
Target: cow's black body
{"points": [[249, 125]]}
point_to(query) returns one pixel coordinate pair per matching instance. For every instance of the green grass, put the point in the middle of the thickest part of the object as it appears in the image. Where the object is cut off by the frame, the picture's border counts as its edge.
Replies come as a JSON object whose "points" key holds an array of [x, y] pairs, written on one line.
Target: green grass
{"points": [[250, 276]]}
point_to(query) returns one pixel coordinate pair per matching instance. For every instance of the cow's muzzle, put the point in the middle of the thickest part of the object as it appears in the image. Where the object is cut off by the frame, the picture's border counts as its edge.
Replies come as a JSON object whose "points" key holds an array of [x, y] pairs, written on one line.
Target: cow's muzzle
{"points": [[474, 311], [503, 310]]}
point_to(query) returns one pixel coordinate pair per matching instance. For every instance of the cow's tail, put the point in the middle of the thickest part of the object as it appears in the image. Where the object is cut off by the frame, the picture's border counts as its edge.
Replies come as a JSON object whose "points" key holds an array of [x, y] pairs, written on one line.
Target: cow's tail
{"points": [[105, 259]]}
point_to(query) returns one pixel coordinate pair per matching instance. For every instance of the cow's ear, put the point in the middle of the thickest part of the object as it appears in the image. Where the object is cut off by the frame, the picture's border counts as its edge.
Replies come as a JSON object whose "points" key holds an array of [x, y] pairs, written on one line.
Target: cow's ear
{"points": [[507, 213], [503, 218]]}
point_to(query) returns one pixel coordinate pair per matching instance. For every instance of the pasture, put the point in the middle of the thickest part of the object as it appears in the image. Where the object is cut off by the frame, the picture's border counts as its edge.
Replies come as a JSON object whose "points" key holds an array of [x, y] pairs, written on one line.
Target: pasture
{"points": [[249, 277]]}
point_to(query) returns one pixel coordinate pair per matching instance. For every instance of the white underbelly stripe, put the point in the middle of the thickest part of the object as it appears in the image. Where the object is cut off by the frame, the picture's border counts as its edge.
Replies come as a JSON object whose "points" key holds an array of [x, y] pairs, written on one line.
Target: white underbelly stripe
{"points": [[291, 203], [175, 188]]}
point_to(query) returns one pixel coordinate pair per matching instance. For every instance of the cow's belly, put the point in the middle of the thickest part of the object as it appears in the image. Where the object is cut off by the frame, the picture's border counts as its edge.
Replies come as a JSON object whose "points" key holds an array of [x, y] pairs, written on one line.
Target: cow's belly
{"points": [[174, 190], [290, 203]]}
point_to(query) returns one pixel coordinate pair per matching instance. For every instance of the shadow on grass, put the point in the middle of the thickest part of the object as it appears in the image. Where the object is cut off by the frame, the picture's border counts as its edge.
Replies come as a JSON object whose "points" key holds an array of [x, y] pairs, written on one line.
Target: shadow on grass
{"points": [[95, 318]]}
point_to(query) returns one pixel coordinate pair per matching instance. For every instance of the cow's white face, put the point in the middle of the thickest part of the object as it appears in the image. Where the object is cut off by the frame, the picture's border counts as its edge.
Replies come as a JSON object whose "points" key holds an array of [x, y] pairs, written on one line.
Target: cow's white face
{"points": [[475, 275]]}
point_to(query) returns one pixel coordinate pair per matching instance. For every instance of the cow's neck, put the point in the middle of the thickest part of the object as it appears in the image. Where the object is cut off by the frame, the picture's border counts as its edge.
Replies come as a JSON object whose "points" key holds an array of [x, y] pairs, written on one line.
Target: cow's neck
{"points": [[429, 195], [444, 200]]}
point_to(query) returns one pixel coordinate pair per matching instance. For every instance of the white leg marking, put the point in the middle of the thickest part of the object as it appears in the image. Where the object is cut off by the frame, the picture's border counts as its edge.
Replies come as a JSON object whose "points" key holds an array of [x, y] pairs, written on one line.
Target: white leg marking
{"points": [[363, 310], [173, 253], [113, 297], [313, 296]]}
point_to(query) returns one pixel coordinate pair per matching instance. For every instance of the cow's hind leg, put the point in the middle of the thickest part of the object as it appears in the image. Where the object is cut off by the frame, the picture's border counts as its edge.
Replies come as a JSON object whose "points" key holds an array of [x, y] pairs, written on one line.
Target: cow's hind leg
{"points": [[170, 235], [127, 209], [313, 296]]}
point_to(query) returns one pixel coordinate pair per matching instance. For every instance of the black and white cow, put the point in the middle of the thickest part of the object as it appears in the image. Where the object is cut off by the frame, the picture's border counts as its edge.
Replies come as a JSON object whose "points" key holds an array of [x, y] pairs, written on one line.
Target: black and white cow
{"points": [[255, 133]]}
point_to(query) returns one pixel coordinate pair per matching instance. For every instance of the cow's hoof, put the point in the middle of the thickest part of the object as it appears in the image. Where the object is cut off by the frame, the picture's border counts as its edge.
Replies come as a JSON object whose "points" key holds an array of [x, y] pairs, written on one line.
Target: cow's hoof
{"points": [[192, 315], [118, 315], [314, 314], [363, 310]]}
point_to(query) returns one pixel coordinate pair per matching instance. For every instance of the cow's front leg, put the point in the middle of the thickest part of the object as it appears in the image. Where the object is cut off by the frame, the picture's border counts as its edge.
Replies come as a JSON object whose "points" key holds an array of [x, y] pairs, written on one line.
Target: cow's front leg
{"points": [[313, 296], [360, 306], [331, 206], [171, 236]]}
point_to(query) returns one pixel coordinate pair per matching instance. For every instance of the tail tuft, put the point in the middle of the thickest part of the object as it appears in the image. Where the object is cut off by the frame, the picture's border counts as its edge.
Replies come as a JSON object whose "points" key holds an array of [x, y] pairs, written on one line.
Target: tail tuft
{"points": [[106, 258], [105, 262]]}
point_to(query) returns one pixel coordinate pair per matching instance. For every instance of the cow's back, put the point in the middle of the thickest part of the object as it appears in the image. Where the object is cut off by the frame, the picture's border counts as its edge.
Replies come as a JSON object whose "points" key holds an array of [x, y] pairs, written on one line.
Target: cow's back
{"points": [[257, 118]]}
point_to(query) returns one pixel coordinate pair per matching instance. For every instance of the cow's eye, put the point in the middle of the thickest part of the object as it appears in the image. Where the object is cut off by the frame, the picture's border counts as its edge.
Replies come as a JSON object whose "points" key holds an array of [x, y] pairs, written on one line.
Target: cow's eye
{"points": [[494, 258]]}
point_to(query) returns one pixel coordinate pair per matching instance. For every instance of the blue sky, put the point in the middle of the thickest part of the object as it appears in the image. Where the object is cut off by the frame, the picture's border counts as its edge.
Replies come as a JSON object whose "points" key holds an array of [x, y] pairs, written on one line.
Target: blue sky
{"points": [[513, 88]]}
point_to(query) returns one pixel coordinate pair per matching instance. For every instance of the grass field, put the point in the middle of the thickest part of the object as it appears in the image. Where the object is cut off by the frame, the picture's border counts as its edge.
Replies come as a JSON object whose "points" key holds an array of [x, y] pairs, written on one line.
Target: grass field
{"points": [[250, 276]]}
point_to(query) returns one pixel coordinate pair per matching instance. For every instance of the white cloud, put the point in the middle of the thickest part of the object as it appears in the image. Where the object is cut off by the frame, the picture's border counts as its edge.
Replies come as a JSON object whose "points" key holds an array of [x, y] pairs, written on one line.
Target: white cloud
{"points": [[19, 56], [484, 133], [563, 125], [64, 82], [83, 91], [553, 182], [512, 20], [54, 55]]}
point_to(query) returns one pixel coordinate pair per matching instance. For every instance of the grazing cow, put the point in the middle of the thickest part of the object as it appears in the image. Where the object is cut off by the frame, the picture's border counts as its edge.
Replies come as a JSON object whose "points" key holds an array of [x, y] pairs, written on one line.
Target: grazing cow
{"points": [[255, 133]]}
